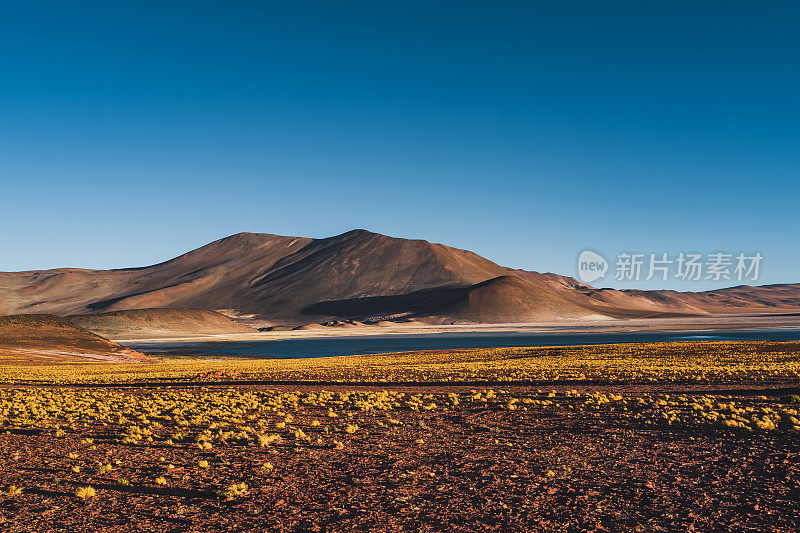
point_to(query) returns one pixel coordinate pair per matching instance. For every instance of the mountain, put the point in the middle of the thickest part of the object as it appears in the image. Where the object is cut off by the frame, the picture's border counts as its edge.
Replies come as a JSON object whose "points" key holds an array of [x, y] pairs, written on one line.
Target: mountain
{"points": [[358, 275], [44, 338], [158, 323]]}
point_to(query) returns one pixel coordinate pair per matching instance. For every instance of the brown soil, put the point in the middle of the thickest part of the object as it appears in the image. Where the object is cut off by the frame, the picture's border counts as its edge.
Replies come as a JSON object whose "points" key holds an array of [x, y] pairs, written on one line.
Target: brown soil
{"points": [[476, 469], [44, 338]]}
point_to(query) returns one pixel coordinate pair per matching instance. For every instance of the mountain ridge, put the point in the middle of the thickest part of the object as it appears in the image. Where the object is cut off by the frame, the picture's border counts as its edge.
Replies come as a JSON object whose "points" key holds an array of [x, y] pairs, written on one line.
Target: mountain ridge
{"points": [[353, 275]]}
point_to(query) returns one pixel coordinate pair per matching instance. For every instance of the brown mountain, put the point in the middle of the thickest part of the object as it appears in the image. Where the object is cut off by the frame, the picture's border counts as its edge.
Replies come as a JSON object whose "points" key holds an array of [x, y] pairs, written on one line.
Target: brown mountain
{"points": [[43, 338], [158, 323], [358, 275]]}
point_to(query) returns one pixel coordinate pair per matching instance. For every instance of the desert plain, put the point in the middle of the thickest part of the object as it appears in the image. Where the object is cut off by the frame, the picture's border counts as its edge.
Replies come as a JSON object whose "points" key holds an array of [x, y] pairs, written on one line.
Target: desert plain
{"points": [[657, 436], [696, 436]]}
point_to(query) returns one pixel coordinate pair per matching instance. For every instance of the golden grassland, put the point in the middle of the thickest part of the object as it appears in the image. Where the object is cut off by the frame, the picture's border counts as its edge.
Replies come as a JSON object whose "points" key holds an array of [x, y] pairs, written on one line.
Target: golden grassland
{"points": [[229, 415], [721, 362], [202, 419], [89, 426]]}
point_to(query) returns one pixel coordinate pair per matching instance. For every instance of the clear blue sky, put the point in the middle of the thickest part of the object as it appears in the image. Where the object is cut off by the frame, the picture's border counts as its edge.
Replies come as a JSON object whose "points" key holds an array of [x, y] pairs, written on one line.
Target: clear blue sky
{"points": [[131, 132]]}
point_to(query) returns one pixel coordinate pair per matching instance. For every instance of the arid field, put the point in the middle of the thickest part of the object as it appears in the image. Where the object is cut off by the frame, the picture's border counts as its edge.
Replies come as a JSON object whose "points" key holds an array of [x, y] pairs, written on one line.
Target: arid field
{"points": [[633, 437]]}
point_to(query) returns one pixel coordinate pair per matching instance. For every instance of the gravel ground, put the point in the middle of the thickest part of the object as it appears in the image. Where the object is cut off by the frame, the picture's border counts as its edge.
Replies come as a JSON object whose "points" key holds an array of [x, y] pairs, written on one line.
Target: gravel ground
{"points": [[470, 468]]}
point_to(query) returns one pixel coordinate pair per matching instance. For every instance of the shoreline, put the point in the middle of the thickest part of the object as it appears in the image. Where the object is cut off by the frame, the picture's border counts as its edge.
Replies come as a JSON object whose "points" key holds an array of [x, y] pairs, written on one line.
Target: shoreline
{"points": [[662, 325]]}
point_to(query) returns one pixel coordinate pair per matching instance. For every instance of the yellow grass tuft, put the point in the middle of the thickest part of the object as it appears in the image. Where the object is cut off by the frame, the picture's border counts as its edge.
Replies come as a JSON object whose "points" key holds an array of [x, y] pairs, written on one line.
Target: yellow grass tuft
{"points": [[85, 493]]}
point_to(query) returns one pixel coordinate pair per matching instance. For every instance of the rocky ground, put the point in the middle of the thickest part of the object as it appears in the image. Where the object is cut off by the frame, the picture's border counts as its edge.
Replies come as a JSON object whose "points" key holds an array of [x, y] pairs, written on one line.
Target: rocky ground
{"points": [[553, 462]]}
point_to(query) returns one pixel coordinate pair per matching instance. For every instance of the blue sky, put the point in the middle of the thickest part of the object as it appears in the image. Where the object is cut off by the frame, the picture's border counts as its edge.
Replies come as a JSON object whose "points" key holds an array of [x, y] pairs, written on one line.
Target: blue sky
{"points": [[131, 132]]}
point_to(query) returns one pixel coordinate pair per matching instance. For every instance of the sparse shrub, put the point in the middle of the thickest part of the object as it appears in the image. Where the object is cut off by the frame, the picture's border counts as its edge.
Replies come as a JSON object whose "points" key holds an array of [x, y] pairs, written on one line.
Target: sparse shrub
{"points": [[266, 440], [236, 490], [85, 493]]}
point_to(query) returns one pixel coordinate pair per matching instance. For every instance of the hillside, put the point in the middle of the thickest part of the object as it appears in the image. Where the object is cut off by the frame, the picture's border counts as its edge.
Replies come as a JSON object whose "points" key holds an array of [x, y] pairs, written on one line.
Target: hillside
{"points": [[359, 275], [270, 276], [503, 299], [48, 337], [158, 323]]}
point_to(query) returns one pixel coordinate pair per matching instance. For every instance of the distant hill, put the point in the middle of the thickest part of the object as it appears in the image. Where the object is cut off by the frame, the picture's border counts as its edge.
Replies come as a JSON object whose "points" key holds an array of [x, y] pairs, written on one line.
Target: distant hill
{"points": [[43, 337], [158, 323], [358, 275]]}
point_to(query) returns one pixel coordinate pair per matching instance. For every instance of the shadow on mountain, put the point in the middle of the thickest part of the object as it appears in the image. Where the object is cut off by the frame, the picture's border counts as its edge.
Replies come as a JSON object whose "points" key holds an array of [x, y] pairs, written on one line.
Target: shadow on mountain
{"points": [[500, 299], [419, 303]]}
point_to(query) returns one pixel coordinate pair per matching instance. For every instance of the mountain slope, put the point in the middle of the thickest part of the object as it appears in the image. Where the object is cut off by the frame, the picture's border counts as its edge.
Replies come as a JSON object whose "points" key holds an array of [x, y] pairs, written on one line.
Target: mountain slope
{"points": [[158, 323], [782, 298], [512, 299], [49, 337], [261, 274], [357, 275], [498, 300]]}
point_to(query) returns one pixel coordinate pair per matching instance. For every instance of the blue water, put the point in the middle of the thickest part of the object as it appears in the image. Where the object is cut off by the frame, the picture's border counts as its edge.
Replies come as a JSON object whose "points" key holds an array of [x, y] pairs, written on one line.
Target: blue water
{"points": [[332, 346]]}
